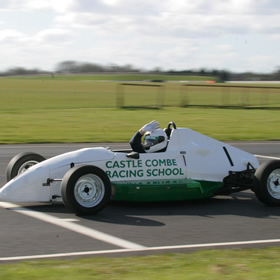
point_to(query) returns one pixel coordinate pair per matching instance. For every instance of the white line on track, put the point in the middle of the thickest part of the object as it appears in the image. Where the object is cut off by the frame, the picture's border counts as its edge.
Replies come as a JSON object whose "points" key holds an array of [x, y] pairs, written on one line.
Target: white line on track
{"points": [[72, 226], [147, 249]]}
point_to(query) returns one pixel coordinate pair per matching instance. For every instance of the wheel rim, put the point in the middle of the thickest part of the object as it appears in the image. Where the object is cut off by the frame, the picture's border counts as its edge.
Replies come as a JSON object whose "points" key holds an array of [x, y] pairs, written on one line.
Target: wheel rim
{"points": [[273, 184], [27, 165], [89, 190]]}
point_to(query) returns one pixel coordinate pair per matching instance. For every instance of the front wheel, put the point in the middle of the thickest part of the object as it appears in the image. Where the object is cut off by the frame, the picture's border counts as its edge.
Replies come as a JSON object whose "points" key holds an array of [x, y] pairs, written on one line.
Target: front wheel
{"points": [[267, 183], [85, 190], [21, 162]]}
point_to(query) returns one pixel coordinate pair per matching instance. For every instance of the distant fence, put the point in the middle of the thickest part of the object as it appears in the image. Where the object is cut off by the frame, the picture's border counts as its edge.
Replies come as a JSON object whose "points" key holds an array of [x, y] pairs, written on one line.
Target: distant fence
{"points": [[138, 99], [157, 95], [235, 96]]}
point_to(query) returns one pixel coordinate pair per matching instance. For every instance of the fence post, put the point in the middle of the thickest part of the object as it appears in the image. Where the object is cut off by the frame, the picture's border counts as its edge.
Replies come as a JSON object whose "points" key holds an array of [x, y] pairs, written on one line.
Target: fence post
{"points": [[184, 95], [120, 96], [225, 98]]}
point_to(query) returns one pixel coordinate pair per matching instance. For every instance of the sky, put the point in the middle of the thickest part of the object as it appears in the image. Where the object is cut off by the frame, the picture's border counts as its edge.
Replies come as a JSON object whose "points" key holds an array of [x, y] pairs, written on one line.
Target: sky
{"points": [[233, 35]]}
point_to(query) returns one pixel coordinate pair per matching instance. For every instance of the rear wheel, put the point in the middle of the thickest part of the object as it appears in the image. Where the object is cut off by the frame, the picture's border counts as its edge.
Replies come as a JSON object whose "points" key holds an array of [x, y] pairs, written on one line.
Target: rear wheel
{"points": [[267, 183], [21, 162], [85, 190]]}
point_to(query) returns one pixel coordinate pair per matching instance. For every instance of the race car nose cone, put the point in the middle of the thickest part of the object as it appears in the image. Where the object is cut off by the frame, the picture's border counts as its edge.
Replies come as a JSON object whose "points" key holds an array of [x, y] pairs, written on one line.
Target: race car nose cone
{"points": [[27, 187], [6, 194], [16, 190], [1, 194]]}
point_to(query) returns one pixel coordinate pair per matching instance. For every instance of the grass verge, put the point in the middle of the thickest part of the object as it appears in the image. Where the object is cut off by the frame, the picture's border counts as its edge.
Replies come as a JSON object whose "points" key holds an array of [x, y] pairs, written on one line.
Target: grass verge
{"points": [[209, 264], [118, 125]]}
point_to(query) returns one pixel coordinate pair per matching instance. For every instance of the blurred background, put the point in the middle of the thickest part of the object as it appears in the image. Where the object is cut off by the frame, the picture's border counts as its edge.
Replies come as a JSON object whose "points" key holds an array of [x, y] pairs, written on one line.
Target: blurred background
{"points": [[98, 70]]}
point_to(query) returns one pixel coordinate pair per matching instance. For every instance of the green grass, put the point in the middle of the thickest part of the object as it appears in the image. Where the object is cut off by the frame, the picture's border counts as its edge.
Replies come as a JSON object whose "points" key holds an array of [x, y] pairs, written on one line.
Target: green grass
{"points": [[210, 264], [118, 125], [40, 110]]}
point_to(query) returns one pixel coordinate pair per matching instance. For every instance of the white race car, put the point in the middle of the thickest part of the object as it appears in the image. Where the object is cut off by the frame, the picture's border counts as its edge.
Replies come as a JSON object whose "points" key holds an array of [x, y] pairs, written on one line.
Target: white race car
{"points": [[194, 166]]}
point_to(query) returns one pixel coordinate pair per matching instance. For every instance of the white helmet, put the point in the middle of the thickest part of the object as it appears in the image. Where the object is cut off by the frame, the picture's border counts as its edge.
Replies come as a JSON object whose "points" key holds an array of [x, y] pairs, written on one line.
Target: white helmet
{"points": [[155, 141]]}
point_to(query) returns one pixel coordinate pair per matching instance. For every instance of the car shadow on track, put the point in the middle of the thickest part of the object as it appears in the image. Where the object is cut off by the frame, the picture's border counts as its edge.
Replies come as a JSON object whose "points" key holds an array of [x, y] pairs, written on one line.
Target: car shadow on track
{"points": [[243, 204], [145, 214]]}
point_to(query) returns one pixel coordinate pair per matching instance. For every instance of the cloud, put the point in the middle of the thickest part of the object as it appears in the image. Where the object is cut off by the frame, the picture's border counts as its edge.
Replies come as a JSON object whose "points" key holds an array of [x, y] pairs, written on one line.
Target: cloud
{"points": [[154, 17], [225, 47], [27, 5], [170, 34], [11, 37], [51, 36], [179, 19], [55, 35]]}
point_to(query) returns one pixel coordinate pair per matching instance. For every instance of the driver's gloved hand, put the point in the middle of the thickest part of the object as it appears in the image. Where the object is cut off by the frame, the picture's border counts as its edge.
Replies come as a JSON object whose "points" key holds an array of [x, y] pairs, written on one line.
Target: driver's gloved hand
{"points": [[153, 125]]}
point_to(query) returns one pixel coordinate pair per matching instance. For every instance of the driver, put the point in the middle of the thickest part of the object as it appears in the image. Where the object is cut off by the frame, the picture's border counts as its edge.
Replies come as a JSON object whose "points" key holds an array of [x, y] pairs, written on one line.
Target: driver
{"points": [[155, 139]]}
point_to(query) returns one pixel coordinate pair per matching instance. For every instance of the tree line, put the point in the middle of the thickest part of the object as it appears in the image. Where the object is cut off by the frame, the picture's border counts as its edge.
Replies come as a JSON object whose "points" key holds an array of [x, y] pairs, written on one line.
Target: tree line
{"points": [[74, 67]]}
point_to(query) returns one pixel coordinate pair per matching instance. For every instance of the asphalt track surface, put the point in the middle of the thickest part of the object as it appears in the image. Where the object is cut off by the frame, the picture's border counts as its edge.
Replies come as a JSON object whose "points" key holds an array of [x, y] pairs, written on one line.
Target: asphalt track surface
{"points": [[121, 229]]}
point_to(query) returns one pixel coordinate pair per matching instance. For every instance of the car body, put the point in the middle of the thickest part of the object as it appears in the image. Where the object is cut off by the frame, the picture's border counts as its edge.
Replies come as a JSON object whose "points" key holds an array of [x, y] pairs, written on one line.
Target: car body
{"points": [[194, 166]]}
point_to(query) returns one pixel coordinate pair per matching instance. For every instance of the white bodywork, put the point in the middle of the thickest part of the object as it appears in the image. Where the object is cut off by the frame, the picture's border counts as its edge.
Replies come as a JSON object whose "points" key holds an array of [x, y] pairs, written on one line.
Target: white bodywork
{"points": [[189, 155]]}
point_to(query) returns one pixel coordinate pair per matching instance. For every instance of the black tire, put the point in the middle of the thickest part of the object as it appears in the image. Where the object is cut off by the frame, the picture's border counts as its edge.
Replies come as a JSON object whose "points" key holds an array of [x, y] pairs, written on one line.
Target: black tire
{"points": [[85, 190], [21, 163], [267, 183]]}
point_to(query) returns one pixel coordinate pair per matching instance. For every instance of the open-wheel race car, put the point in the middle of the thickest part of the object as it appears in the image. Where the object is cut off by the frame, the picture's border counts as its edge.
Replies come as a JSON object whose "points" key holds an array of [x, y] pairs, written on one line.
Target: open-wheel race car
{"points": [[193, 166]]}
